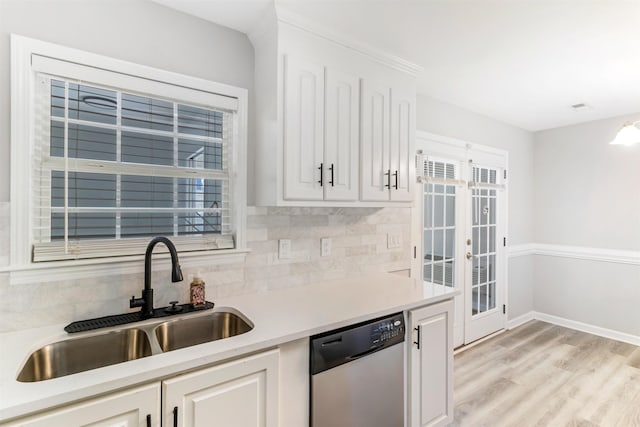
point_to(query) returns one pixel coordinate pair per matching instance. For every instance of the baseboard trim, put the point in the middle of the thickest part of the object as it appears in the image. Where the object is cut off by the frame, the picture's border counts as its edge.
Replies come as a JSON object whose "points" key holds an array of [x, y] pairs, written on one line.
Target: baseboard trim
{"points": [[521, 320], [578, 326]]}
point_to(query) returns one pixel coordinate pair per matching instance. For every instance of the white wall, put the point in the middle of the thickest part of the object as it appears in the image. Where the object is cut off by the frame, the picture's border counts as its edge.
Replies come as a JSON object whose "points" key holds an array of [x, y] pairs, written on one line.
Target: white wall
{"points": [[587, 194], [448, 120], [147, 33], [139, 31]]}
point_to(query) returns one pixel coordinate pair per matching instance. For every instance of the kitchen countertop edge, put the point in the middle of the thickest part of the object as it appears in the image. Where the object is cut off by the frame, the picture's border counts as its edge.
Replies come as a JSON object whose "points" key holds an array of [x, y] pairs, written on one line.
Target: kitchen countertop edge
{"points": [[278, 316]]}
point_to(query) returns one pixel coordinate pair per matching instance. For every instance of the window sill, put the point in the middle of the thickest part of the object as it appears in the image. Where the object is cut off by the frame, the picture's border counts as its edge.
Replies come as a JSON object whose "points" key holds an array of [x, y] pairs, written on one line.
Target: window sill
{"points": [[89, 268]]}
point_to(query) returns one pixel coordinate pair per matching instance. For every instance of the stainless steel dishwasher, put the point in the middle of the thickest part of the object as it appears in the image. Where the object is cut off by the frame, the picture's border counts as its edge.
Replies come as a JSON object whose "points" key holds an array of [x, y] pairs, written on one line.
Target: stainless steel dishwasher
{"points": [[357, 375]]}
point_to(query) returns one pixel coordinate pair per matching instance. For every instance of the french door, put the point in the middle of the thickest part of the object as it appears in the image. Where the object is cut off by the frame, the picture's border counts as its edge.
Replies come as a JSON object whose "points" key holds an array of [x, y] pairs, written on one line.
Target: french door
{"points": [[461, 226]]}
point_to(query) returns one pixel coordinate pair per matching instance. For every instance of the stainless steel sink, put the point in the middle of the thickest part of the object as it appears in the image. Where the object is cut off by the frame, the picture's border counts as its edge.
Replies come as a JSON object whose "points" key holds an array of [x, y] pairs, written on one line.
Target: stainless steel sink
{"points": [[185, 332], [82, 354], [97, 350]]}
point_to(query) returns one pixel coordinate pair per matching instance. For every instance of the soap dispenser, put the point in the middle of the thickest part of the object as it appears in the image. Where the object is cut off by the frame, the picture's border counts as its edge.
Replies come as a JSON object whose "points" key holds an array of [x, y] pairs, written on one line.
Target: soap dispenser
{"points": [[196, 291]]}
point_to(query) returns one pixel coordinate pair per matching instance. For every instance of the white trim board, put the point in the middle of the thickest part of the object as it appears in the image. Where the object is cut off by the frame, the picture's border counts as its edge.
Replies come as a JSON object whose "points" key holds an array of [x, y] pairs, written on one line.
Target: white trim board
{"points": [[134, 264], [576, 252], [574, 324]]}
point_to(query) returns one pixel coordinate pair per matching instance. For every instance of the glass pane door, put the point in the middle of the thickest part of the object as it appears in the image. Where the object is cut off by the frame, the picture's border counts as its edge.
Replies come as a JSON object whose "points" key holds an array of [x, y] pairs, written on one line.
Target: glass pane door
{"points": [[439, 234], [483, 277]]}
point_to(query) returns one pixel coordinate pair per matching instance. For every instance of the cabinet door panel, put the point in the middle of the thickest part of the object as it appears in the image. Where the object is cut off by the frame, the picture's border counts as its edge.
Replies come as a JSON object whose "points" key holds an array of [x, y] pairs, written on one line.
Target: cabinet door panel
{"points": [[402, 144], [431, 366], [303, 129], [342, 132], [375, 142], [242, 393], [126, 409]]}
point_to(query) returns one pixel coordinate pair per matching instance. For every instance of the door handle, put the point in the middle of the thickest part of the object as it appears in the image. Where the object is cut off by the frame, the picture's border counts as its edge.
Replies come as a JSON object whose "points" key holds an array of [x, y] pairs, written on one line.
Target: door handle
{"points": [[388, 175], [149, 420], [469, 255], [417, 342], [320, 174], [175, 416], [396, 175], [331, 169]]}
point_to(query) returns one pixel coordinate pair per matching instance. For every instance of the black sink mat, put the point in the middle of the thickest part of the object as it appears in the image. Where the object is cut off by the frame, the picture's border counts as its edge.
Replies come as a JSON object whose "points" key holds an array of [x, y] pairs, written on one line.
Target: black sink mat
{"points": [[123, 319]]}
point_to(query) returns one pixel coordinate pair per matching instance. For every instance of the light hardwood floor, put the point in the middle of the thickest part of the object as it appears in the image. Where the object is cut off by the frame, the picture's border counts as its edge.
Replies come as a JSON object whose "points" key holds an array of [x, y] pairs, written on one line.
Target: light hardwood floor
{"points": [[540, 374]]}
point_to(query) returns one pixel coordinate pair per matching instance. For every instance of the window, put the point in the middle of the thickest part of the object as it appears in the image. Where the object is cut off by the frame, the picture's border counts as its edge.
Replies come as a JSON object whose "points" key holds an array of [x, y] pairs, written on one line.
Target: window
{"points": [[120, 153]]}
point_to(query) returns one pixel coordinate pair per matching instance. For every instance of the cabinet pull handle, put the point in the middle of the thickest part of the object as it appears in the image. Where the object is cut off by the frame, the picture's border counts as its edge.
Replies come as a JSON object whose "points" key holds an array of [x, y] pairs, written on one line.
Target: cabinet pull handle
{"points": [[388, 175], [175, 416], [396, 175], [417, 343], [331, 169], [148, 420], [320, 174]]}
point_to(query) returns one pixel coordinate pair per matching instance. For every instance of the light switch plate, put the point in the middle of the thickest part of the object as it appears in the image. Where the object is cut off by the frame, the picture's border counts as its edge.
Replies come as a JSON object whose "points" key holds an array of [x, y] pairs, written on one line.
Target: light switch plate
{"points": [[325, 247], [394, 240], [284, 249]]}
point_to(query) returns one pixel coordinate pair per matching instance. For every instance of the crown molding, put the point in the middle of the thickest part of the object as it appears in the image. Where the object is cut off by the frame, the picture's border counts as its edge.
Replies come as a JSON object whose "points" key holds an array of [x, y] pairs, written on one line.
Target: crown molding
{"points": [[293, 19]]}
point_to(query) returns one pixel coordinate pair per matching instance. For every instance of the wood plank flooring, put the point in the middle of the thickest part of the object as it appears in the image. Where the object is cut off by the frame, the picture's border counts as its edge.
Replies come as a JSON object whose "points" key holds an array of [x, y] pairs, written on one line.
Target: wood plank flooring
{"points": [[541, 374]]}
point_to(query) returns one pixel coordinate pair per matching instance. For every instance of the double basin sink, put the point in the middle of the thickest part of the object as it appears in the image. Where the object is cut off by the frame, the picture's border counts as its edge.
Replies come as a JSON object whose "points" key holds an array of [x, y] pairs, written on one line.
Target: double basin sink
{"points": [[134, 342]]}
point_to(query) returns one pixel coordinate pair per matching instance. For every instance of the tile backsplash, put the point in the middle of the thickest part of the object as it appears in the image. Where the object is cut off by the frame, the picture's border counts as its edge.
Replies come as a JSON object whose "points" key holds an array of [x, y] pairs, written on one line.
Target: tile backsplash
{"points": [[358, 244]]}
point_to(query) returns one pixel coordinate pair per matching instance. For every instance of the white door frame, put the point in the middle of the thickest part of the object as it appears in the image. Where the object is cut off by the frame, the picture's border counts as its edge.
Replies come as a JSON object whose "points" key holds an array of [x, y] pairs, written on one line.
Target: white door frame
{"points": [[455, 149]]}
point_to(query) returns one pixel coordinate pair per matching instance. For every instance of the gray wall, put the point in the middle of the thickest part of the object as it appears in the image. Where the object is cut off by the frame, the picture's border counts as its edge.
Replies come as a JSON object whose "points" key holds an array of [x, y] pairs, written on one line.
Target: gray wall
{"points": [[139, 31], [448, 120], [587, 194]]}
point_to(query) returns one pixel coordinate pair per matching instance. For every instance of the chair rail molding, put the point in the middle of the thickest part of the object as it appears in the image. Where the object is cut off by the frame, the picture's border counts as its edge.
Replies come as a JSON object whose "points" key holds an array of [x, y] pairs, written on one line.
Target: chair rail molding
{"points": [[618, 256]]}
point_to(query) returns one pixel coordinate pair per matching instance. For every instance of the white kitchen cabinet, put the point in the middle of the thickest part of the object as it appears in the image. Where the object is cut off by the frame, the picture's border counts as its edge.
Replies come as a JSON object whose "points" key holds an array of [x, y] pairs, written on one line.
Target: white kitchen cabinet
{"points": [[320, 139], [303, 129], [240, 393], [321, 116], [430, 365], [402, 143], [138, 407], [375, 167], [342, 133], [388, 134]]}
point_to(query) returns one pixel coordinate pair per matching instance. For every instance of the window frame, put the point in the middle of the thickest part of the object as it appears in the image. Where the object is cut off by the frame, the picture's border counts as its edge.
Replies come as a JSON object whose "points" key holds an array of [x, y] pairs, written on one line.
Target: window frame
{"points": [[23, 81]]}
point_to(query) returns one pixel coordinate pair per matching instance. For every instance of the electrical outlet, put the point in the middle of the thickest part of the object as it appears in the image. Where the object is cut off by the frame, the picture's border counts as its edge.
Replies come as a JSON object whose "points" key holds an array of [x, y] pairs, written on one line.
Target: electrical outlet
{"points": [[394, 240], [325, 247], [284, 248]]}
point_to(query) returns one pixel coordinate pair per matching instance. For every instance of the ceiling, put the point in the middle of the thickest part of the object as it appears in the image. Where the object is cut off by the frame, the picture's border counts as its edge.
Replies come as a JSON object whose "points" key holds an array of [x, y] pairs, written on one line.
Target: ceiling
{"points": [[523, 62]]}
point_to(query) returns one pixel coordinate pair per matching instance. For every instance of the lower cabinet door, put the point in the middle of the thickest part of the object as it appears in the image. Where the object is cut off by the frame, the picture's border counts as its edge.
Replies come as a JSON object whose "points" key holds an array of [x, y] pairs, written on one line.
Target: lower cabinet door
{"points": [[241, 393], [138, 407], [430, 365]]}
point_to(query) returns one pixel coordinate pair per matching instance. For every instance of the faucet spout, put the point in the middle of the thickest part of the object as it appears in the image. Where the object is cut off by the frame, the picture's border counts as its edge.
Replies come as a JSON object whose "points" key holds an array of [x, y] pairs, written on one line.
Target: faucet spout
{"points": [[146, 302]]}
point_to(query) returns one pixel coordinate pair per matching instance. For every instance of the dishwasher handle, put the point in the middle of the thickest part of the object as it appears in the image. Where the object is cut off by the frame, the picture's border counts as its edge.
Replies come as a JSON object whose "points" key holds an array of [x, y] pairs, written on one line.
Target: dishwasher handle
{"points": [[364, 353]]}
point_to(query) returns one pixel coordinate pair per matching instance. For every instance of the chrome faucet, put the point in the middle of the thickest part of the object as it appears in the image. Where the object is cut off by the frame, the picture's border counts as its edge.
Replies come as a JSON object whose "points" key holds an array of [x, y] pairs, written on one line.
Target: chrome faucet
{"points": [[146, 301]]}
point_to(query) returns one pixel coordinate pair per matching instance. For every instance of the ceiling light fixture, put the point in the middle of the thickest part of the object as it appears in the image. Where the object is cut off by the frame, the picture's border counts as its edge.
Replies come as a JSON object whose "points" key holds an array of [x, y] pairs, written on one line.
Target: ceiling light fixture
{"points": [[628, 135]]}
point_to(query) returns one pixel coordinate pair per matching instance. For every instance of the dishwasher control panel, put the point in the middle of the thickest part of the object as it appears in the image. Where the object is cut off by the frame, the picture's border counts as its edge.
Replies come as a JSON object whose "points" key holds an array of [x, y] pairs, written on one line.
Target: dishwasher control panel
{"points": [[387, 330], [340, 346]]}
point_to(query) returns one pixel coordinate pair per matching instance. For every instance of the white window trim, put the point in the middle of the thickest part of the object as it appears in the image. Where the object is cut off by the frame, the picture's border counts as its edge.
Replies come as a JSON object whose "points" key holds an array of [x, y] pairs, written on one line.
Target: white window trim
{"points": [[22, 120]]}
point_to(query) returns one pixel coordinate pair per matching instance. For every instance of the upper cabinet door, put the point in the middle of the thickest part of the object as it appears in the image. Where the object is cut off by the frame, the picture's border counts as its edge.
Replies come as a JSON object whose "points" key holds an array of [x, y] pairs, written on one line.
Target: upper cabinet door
{"points": [[375, 170], [303, 130], [402, 142], [342, 119]]}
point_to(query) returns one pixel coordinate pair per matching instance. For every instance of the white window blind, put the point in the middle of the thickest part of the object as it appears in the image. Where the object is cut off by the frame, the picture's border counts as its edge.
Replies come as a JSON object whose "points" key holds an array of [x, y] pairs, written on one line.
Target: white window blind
{"points": [[437, 171], [115, 167], [486, 178]]}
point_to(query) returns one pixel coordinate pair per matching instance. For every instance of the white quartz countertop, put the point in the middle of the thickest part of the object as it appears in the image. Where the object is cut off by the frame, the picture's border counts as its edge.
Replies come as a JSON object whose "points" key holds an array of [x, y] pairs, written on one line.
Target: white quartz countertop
{"points": [[278, 316]]}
